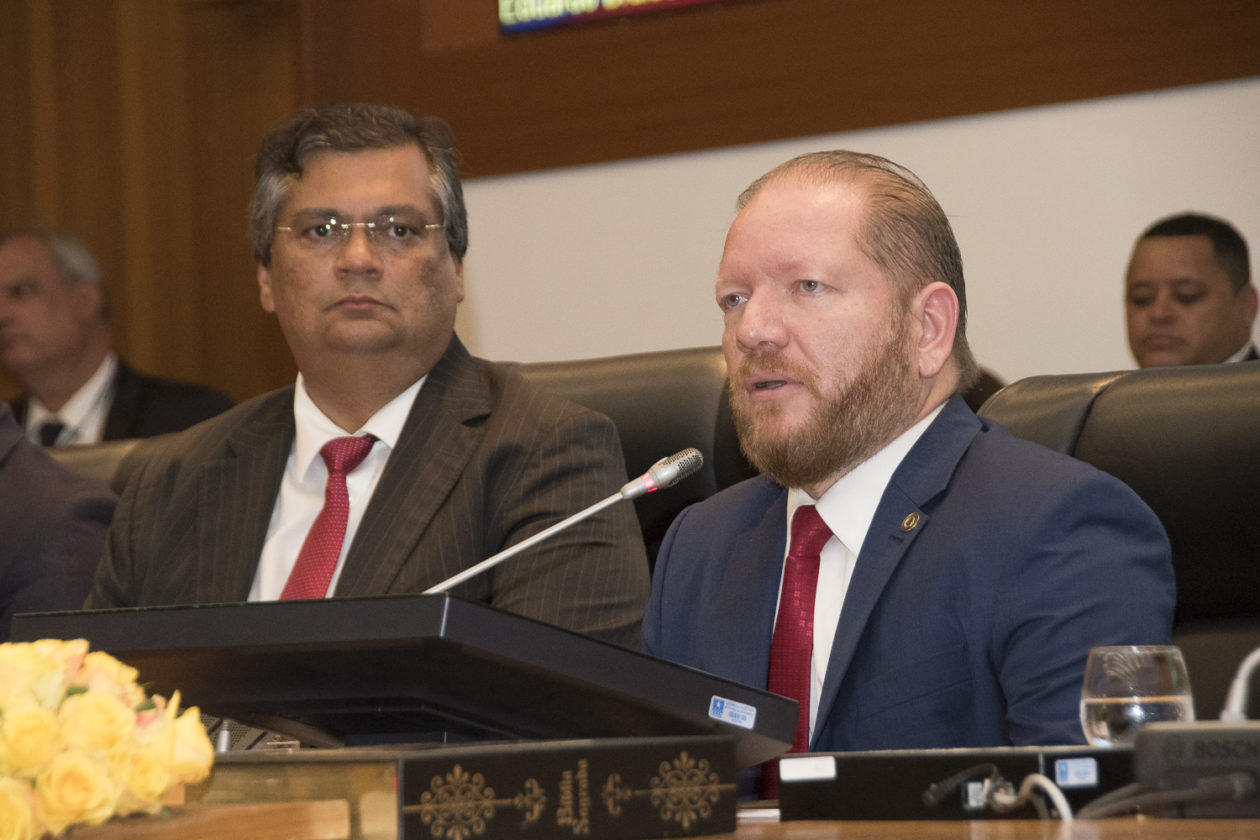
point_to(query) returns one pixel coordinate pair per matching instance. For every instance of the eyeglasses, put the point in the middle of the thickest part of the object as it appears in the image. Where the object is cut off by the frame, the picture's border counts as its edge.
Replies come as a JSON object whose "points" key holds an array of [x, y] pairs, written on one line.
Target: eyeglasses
{"points": [[395, 233]]}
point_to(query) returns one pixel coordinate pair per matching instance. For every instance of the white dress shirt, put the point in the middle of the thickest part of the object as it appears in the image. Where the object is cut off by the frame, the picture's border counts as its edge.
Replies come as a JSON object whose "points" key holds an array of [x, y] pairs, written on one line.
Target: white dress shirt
{"points": [[83, 414], [848, 508], [1242, 354], [301, 495]]}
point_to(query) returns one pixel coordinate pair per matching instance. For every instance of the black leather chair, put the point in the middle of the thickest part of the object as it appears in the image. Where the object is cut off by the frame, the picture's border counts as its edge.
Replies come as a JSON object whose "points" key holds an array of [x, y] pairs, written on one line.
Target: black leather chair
{"points": [[1187, 440], [98, 461], [661, 403]]}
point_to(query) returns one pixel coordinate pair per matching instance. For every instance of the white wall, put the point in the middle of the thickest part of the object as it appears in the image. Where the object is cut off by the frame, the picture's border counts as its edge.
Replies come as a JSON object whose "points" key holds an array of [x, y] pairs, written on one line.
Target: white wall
{"points": [[1046, 203]]}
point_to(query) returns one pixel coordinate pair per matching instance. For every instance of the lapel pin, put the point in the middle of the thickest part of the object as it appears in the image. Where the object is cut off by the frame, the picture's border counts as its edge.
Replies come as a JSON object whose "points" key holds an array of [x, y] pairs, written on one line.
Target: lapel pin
{"points": [[910, 522]]}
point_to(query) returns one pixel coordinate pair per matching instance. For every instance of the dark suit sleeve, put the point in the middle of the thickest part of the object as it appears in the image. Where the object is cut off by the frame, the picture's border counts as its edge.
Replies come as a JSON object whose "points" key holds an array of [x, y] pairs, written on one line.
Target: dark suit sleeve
{"points": [[54, 571], [1097, 572], [592, 577], [117, 580], [654, 624]]}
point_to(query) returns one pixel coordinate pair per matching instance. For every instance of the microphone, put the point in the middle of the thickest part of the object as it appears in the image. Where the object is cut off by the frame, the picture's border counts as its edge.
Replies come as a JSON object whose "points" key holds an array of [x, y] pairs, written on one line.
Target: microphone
{"points": [[664, 473]]}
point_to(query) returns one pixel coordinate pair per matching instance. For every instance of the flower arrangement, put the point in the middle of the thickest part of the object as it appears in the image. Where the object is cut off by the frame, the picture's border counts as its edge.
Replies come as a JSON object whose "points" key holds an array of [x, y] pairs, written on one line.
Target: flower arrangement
{"points": [[81, 741]]}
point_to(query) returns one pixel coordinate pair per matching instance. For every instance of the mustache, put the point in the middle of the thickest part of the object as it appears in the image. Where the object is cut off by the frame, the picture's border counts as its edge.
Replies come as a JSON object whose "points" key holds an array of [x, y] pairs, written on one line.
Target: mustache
{"points": [[775, 363]]}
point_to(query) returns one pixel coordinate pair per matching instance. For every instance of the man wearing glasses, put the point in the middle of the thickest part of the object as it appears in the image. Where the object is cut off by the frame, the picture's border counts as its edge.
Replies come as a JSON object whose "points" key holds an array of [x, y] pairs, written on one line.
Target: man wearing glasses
{"points": [[397, 459]]}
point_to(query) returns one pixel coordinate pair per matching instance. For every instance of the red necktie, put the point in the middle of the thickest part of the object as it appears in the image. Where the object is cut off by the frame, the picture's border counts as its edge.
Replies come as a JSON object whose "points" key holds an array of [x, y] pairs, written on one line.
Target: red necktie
{"points": [[318, 558], [792, 648]]}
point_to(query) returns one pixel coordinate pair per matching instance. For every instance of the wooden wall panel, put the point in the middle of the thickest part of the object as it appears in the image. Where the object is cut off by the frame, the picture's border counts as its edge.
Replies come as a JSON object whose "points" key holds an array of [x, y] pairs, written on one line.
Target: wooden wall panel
{"points": [[757, 70], [139, 120], [241, 78], [134, 122]]}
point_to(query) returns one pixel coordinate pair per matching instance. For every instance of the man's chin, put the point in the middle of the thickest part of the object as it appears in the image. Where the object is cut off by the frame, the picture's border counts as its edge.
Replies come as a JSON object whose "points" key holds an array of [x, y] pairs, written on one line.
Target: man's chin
{"points": [[1164, 358], [366, 335], [774, 425]]}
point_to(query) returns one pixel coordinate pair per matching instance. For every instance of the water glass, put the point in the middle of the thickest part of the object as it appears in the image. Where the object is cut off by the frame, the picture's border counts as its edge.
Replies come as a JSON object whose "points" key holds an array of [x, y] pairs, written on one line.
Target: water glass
{"points": [[1128, 686]]}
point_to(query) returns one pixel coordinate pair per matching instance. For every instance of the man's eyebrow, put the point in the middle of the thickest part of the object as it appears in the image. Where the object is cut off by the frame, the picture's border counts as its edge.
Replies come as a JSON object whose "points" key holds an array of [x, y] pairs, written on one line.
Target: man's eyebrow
{"points": [[319, 212], [396, 209], [385, 210]]}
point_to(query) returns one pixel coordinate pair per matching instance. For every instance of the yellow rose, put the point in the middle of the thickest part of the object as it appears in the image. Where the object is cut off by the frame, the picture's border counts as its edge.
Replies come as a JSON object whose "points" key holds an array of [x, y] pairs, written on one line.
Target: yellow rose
{"points": [[193, 751], [46, 653], [74, 789], [35, 673], [27, 738], [146, 777], [95, 722], [103, 673], [17, 817]]}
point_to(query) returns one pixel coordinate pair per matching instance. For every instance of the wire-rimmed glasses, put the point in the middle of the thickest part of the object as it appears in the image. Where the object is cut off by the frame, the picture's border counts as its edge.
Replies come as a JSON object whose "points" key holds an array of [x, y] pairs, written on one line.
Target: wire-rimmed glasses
{"points": [[394, 233]]}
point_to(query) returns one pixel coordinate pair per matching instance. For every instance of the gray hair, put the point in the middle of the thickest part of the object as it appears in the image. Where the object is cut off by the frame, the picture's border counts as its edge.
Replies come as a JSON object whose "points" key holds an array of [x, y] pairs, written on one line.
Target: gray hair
{"points": [[74, 262], [353, 128]]}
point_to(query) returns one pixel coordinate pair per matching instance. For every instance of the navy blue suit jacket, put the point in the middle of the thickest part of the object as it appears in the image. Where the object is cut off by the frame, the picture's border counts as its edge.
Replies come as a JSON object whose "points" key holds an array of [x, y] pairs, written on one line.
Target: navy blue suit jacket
{"points": [[968, 627], [52, 528]]}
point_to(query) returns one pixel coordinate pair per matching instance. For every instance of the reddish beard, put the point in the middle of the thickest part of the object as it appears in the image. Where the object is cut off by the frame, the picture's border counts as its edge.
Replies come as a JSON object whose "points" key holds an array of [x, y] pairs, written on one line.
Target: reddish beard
{"points": [[844, 427]]}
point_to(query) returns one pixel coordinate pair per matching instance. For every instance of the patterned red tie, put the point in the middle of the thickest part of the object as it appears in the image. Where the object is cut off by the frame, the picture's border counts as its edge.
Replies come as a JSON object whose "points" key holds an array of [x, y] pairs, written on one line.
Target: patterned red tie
{"points": [[792, 647], [318, 558]]}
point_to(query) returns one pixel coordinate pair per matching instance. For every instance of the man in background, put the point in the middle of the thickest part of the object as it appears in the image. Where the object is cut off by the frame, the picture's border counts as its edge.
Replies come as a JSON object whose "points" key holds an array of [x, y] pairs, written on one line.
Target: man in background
{"points": [[1188, 296], [397, 459], [943, 581], [56, 341], [52, 528]]}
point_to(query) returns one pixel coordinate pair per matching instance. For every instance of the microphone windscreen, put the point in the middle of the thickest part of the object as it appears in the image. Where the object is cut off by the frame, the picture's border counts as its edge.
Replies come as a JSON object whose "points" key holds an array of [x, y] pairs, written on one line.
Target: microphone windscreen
{"points": [[672, 469]]}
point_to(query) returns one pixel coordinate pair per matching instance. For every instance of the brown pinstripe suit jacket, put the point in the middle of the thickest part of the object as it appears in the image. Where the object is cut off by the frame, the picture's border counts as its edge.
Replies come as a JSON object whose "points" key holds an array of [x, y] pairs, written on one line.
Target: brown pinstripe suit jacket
{"points": [[484, 460]]}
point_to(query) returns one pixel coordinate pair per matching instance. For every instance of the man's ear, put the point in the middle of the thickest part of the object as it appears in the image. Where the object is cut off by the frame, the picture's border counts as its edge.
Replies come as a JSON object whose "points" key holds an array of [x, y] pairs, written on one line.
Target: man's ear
{"points": [[935, 311], [86, 300], [264, 289], [1248, 300]]}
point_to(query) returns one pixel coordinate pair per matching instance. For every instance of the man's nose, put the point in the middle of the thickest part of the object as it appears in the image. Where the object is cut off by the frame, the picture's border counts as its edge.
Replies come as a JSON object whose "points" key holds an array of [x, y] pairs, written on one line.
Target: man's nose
{"points": [[760, 321], [357, 250], [1163, 307]]}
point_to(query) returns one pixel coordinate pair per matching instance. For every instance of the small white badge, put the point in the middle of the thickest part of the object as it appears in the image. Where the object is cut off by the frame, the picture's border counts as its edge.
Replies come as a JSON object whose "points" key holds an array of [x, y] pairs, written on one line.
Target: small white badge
{"points": [[1076, 772], [732, 712], [807, 768]]}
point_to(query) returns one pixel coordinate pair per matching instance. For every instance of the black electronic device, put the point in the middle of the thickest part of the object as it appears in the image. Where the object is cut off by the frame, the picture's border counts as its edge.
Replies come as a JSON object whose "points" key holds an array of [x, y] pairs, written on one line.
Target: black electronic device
{"points": [[1181, 755], [944, 784], [414, 669]]}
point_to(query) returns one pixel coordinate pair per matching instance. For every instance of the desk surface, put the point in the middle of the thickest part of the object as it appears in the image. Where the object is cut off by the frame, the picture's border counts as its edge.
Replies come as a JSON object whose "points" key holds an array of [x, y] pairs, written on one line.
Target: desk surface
{"points": [[1121, 828]]}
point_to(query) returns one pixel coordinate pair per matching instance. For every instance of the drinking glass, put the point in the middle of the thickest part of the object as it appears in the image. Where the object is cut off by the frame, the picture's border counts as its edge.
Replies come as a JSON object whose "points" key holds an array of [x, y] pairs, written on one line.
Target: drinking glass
{"points": [[1126, 687]]}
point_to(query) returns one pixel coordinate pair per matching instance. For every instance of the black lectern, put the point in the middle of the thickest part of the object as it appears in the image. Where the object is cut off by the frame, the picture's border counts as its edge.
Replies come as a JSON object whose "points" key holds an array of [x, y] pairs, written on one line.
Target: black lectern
{"points": [[412, 669]]}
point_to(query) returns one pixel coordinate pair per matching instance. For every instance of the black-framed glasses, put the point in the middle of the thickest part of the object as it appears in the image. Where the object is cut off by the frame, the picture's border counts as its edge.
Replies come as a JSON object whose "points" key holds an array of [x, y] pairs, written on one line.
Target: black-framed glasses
{"points": [[395, 233]]}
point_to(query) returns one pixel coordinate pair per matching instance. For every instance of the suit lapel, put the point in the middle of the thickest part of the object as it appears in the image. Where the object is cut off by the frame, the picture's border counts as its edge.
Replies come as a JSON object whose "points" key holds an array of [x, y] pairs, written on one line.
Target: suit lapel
{"points": [[755, 567], [10, 433], [19, 411], [119, 422], [900, 518], [236, 498], [433, 449]]}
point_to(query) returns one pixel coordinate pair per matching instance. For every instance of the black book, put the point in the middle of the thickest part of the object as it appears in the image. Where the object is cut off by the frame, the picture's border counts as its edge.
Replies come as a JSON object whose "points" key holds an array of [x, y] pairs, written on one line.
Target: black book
{"points": [[612, 788]]}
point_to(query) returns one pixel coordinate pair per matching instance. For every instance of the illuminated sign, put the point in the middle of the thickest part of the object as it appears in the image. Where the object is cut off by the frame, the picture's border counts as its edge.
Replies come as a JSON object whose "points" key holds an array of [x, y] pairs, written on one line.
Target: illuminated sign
{"points": [[520, 15]]}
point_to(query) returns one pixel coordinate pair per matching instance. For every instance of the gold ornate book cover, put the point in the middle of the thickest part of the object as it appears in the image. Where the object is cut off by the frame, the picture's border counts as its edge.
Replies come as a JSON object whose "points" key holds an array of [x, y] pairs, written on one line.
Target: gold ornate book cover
{"points": [[607, 788]]}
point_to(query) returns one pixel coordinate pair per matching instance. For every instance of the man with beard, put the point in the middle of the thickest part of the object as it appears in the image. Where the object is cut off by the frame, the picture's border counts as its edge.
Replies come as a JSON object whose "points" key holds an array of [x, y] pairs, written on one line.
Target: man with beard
{"points": [[954, 578]]}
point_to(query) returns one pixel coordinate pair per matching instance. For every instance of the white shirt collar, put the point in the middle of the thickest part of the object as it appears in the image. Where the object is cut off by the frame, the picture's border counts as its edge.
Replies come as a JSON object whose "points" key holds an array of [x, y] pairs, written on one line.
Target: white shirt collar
{"points": [[1242, 354], [314, 429], [84, 413], [849, 505]]}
